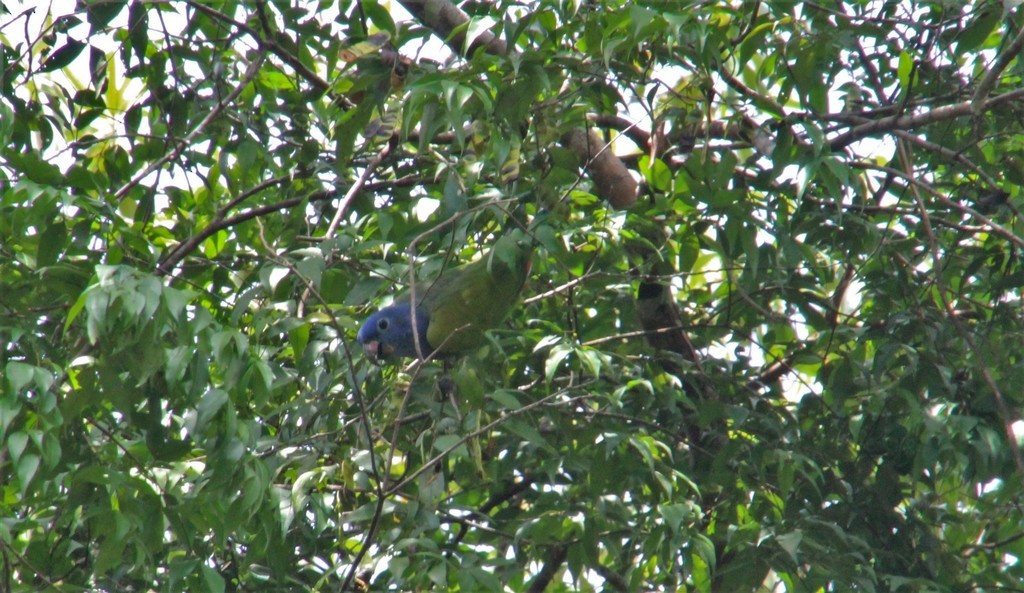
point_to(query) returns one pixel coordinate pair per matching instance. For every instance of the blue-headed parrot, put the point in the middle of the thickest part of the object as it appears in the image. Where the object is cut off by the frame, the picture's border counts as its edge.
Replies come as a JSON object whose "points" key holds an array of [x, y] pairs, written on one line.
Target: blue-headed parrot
{"points": [[454, 310]]}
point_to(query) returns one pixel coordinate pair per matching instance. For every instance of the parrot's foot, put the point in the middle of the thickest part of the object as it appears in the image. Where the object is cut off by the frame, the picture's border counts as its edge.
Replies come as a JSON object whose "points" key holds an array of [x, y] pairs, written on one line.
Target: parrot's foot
{"points": [[448, 390], [446, 385]]}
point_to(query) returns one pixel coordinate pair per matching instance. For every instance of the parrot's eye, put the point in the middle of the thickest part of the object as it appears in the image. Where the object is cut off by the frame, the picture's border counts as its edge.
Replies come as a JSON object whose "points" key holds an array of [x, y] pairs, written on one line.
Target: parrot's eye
{"points": [[382, 324]]}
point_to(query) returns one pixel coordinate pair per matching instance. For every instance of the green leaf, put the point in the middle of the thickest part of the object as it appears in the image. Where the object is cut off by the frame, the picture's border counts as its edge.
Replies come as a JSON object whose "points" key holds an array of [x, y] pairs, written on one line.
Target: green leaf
{"points": [[506, 399], [63, 56], [904, 69], [37, 169], [447, 441], [27, 466], [101, 12], [363, 48], [379, 16], [554, 360], [474, 29], [16, 443], [978, 30], [790, 542], [674, 515], [657, 173], [19, 375], [526, 432], [213, 582]]}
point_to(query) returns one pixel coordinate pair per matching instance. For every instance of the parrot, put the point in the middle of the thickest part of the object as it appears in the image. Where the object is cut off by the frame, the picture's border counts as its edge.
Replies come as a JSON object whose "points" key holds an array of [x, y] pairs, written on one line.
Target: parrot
{"points": [[453, 311]]}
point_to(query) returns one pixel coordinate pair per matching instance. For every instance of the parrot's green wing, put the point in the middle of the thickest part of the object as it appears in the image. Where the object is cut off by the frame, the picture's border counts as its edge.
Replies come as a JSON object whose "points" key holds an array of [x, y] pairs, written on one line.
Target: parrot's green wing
{"points": [[465, 302]]}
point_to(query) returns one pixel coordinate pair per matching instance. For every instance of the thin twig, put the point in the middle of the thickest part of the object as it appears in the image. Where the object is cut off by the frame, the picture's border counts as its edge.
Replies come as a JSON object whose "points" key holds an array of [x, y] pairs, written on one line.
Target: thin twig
{"points": [[193, 242], [979, 358], [179, 147], [370, 168], [346, 200], [501, 419], [1011, 53], [907, 122], [912, 181], [273, 47], [948, 153]]}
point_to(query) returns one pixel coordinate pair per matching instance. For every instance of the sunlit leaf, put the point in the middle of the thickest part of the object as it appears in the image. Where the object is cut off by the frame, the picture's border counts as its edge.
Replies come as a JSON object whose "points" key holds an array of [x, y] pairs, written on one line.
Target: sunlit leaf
{"points": [[368, 46]]}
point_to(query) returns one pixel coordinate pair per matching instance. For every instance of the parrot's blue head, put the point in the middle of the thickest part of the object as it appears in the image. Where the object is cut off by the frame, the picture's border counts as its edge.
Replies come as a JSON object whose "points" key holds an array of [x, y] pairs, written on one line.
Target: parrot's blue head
{"points": [[388, 333]]}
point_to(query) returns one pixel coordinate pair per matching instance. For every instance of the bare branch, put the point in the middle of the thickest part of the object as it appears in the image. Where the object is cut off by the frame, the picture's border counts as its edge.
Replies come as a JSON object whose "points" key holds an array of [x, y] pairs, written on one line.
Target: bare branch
{"points": [[179, 147], [1011, 53], [450, 23], [908, 122], [556, 558], [220, 223]]}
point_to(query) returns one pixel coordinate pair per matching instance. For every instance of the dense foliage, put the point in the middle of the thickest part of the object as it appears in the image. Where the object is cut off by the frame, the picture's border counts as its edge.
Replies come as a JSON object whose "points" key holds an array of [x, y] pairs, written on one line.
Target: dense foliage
{"points": [[772, 338]]}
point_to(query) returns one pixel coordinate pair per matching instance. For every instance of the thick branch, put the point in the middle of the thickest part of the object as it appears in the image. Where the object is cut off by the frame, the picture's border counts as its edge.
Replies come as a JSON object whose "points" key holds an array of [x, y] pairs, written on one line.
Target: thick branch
{"points": [[992, 76], [449, 22], [907, 122], [660, 318], [613, 579], [551, 567], [611, 178]]}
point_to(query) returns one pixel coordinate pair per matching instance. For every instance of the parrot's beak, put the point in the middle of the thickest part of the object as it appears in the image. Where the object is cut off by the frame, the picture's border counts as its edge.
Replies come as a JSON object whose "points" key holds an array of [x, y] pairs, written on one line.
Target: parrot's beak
{"points": [[372, 349], [377, 351]]}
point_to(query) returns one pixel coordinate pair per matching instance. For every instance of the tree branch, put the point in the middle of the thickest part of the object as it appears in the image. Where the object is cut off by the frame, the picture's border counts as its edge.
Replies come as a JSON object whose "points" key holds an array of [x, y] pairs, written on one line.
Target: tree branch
{"points": [[221, 223], [948, 153], [179, 147], [979, 356], [907, 122], [450, 24], [614, 579], [994, 227], [612, 180], [559, 552], [501, 419], [1011, 53], [511, 491], [275, 48]]}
